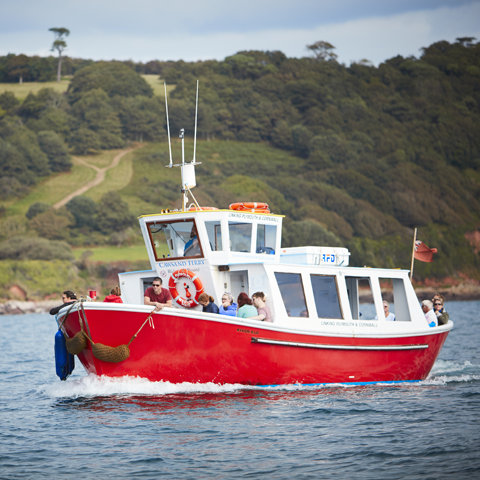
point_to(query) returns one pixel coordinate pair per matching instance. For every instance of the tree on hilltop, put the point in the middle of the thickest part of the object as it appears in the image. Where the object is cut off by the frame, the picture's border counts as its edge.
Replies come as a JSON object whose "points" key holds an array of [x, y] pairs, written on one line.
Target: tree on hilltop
{"points": [[323, 51], [60, 45]]}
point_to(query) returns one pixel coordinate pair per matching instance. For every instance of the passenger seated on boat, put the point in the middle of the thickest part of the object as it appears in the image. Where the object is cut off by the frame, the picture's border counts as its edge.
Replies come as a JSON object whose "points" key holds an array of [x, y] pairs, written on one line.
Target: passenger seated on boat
{"points": [[245, 306], [430, 317], [157, 296], [440, 312], [228, 307], [389, 317], [192, 247], [304, 313], [208, 303], [114, 296], [264, 313], [68, 297]]}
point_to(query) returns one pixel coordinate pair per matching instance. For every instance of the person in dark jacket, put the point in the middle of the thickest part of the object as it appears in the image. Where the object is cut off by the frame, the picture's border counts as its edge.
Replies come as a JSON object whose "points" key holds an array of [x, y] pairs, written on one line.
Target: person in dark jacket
{"points": [[438, 308], [208, 303], [114, 296], [68, 297]]}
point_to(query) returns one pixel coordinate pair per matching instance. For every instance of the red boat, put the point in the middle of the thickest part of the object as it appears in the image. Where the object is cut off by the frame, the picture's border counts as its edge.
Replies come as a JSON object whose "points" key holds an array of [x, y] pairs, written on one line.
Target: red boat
{"points": [[318, 334]]}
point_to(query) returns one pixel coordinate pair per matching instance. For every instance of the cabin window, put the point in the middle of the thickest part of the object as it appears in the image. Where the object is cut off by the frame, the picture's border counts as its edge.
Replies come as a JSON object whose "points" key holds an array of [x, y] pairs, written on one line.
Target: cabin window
{"points": [[214, 232], [360, 297], [240, 236], [325, 292], [266, 239], [293, 295], [177, 239], [393, 292]]}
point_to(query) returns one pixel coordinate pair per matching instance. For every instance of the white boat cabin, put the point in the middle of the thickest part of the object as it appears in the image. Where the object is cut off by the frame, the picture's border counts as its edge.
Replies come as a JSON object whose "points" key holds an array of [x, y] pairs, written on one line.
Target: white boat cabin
{"points": [[311, 288]]}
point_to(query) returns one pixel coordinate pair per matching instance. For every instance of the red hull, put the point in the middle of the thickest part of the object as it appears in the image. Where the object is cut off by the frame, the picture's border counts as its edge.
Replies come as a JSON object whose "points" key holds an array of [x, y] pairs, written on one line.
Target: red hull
{"points": [[182, 349]]}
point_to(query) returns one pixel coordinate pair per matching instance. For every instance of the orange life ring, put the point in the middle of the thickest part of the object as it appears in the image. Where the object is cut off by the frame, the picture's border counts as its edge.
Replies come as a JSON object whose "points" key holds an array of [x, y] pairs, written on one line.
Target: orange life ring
{"points": [[254, 207], [172, 285], [194, 208]]}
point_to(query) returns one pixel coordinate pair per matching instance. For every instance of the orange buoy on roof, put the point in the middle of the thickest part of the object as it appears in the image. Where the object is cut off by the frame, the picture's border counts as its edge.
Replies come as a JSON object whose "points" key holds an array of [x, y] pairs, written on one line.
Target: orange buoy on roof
{"points": [[194, 208], [254, 207]]}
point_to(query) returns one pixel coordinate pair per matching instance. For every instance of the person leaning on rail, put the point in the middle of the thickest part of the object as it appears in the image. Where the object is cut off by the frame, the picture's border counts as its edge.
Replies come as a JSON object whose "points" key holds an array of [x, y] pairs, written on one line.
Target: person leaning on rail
{"points": [[157, 296], [440, 312], [68, 297], [228, 306], [208, 303], [264, 312]]}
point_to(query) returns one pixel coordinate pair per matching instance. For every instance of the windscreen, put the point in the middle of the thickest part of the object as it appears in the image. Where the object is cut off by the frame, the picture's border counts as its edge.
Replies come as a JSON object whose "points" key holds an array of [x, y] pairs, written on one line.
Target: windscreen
{"points": [[175, 239]]}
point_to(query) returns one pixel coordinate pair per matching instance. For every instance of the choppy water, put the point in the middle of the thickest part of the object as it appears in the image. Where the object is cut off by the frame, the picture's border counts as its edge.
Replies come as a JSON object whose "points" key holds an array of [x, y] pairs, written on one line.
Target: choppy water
{"points": [[91, 427]]}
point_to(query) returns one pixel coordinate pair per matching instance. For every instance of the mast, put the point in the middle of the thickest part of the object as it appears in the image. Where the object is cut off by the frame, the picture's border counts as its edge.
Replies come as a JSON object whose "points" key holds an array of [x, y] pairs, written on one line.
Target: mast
{"points": [[168, 127], [188, 169], [195, 137]]}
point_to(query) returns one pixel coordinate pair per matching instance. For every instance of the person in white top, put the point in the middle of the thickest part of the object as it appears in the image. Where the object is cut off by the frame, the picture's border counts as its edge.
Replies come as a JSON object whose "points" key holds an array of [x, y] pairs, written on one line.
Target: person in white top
{"points": [[430, 317], [389, 317]]}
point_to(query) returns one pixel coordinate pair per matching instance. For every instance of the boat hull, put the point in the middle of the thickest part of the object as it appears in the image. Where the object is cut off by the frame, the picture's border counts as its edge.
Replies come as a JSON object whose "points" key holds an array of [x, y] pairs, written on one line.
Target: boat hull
{"points": [[194, 349]]}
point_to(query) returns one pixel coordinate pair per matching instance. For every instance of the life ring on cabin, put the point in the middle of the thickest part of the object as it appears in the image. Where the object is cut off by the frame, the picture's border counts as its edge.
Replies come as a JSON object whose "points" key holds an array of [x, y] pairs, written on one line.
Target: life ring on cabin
{"points": [[172, 286], [194, 208], [254, 207]]}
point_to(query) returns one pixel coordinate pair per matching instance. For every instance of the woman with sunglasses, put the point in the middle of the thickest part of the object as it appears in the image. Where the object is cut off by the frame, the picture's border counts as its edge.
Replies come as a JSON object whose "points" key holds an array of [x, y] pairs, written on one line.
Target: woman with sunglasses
{"points": [[442, 315]]}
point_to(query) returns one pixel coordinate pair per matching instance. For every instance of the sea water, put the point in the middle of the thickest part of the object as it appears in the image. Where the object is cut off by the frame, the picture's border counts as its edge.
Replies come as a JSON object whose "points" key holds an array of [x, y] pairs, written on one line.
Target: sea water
{"points": [[89, 427]]}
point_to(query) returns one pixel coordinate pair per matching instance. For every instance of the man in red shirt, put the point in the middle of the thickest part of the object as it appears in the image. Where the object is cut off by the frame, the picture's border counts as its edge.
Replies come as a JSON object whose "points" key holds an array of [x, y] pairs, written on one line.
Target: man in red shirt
{"points": [[157, 296]]}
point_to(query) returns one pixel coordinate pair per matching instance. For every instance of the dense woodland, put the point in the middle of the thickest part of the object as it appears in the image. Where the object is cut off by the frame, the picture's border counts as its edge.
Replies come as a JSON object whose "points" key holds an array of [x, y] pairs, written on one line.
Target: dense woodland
{"points": [[353, 155]]}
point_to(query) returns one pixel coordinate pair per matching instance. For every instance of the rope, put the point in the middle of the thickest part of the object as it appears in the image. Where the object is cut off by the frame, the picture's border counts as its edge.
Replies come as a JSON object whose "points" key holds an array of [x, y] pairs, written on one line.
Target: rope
{"points": [[113, 354]]}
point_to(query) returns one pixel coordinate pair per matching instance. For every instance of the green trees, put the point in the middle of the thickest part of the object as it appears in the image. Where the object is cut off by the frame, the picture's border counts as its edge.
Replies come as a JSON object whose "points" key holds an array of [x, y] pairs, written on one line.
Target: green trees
{"points": [[114, 214], [114, 78], [59, 45], [52, 145]]}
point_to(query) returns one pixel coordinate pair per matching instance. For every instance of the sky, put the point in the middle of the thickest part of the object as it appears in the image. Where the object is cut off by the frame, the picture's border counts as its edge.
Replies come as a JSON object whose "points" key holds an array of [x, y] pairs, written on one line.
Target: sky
{"points": [[190, 30]]}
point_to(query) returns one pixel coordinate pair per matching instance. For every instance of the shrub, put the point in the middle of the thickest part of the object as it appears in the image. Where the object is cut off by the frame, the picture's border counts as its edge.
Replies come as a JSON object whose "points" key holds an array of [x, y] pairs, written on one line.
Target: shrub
{"points": [[21, 248]]}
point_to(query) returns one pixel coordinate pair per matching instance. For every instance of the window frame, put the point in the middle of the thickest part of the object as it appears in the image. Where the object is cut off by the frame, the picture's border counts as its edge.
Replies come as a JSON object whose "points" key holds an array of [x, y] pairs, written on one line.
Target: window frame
{"points": [[338, 295], [147, 224], [303, 290]]}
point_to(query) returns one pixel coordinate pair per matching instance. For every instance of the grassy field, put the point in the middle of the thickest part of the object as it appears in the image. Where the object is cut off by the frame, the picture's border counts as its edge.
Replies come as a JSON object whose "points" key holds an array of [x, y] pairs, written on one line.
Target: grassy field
{"points": [[21, 91], [53, 189], [157, 85], [107, 254], [115, 178]]}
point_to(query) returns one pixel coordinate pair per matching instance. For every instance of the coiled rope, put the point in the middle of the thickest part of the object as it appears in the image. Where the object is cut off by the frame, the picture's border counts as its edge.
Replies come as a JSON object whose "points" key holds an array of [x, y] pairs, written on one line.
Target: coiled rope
{"points": [[102, 352]]}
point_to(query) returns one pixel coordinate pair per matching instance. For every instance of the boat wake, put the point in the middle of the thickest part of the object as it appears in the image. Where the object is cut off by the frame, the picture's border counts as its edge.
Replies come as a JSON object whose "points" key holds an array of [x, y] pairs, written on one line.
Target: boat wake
{"points": [[443, 372]]}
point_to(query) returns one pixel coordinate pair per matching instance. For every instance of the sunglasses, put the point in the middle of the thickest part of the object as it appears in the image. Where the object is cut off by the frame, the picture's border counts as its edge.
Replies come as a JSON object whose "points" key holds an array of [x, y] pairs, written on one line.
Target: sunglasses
{"points": [[155, 284], [438, 304]]}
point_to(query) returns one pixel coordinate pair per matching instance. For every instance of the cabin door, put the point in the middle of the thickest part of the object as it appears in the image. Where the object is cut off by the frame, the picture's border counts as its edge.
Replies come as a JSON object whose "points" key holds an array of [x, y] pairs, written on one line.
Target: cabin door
{"points": [[239, 284]]}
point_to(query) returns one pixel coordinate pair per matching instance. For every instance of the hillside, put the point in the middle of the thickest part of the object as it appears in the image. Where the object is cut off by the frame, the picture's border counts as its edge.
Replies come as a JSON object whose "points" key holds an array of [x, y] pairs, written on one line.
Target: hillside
{"points": [[354, 156]]}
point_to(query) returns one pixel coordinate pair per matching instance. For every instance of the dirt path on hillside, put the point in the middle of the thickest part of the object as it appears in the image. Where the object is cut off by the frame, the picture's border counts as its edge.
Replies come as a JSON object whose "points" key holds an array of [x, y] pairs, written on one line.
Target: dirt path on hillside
{"points": [[98, 179]]}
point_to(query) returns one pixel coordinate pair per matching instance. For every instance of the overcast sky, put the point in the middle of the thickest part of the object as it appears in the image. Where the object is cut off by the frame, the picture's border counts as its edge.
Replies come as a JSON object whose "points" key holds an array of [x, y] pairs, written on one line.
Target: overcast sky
{"points": [[191, 30]]}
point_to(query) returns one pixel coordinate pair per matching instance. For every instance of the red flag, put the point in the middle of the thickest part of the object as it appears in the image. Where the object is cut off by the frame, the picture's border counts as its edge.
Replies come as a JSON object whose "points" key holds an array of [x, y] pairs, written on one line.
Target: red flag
{"points": [[423, 253]]}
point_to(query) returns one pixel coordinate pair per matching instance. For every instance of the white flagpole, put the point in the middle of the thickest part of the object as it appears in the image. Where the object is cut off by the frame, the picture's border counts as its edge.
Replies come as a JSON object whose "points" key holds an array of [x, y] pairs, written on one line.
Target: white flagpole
{"points": [[413, 253]]}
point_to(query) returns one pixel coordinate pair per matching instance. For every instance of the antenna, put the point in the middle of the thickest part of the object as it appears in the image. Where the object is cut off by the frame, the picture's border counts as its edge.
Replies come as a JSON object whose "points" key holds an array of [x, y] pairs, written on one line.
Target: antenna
{"points": [[188, 169], [168, 127], [195, 137]]}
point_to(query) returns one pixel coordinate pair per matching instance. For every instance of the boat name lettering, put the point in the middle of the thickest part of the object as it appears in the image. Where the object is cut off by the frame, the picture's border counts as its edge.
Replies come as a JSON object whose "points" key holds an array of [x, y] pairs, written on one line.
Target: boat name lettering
{"points": [[244, 330], [182, 263], [348, 324], [249, 216]]}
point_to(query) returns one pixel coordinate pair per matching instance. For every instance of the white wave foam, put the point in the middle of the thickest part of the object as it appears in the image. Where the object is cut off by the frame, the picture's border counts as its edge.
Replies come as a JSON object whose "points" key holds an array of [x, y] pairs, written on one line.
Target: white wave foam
{"points": [[93, 385], [444, 379], [446, 366]]}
